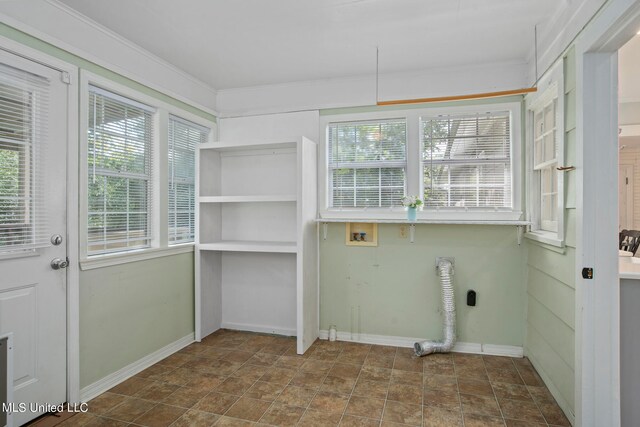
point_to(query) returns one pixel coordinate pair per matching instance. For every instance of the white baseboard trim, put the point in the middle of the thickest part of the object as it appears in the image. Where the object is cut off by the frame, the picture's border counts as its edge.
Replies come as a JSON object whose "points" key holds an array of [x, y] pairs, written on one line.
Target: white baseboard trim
{"points": [[92, 390], [259, 328], [564, 405], [460, 347]]}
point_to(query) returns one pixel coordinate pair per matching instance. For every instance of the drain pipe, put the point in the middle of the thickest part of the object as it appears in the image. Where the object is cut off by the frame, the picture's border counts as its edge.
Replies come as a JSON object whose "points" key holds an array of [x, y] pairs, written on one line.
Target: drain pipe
{"points": [[445, 269]]}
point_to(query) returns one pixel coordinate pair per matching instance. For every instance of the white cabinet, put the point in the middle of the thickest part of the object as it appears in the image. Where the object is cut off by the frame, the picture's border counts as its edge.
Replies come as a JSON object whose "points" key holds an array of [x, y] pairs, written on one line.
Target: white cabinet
{"points": [[256, 239]]}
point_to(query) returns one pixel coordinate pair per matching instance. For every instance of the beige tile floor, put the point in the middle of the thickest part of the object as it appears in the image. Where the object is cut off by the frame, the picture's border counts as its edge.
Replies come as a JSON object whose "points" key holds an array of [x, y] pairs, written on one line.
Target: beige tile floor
{"points": [[240, 379]]}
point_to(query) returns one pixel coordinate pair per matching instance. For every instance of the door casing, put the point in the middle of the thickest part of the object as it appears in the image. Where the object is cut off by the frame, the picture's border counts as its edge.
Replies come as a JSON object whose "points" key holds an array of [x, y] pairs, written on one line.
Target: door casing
{"points": [[597, 359]]}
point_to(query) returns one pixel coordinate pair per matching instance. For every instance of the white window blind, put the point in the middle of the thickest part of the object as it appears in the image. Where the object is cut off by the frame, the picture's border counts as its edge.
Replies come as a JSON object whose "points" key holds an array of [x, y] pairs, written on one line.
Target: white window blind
{"points": [[367, 163], [120, 173], [545, 162], [24, 106], [183, 138], [467, 161]]}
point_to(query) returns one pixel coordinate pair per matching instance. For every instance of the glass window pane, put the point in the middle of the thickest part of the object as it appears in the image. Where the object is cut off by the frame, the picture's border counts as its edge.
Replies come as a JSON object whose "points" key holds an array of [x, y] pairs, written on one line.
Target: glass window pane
{"points": [[183, 138], [119, 160], [367, 163], [466, 160]]}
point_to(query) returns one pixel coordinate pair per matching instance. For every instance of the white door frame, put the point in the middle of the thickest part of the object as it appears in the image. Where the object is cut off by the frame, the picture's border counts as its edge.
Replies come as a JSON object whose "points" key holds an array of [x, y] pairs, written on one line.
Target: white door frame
{"points": [[73, 271], [597, 367]]}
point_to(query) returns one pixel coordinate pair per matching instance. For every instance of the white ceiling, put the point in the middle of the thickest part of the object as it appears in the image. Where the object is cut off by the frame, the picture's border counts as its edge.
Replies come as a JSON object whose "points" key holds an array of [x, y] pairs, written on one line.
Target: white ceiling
{"points": [[239, 43]]}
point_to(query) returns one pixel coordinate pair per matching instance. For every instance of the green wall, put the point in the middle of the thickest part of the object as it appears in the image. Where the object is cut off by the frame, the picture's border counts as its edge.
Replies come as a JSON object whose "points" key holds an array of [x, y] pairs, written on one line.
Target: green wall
{"points": [[398, 292], [395, 284], [550, 331], [130, 310]]}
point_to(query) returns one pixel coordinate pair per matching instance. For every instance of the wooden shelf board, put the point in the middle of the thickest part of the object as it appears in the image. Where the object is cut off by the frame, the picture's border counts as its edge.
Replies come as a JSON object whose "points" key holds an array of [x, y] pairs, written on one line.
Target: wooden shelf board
{"points": [[248, 199], [226, 146], [249, 246]]}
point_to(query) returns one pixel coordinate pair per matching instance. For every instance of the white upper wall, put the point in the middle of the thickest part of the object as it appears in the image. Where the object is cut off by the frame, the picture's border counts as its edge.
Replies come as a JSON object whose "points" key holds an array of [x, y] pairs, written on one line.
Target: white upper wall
{"points": [[241, 43], [361, 91], [294, 55], [558, 32], [65, 28]]}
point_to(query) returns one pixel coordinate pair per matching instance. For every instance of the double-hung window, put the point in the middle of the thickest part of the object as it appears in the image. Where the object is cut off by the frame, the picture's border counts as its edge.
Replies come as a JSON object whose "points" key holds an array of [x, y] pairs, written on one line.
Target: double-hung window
{"points": [[545, 153], [367, 163], [120, 181], [466, 160], [138, 173], [183, 138], [545, 162]]}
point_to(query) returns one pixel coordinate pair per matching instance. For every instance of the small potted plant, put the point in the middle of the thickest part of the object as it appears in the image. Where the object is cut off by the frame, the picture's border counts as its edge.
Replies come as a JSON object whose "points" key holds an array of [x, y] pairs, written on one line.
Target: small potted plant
{"points": [[412, 203]]}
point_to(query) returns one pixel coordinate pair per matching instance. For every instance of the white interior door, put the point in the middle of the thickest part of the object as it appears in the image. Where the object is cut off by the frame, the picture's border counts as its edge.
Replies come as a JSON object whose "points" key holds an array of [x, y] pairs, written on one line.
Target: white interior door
{"points": [[625, 195], [33, 141]]}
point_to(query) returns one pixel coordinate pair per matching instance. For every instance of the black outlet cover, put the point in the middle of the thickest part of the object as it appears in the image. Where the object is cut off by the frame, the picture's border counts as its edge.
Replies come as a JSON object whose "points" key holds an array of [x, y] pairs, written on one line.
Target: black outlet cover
{"points": [[471, 298]]}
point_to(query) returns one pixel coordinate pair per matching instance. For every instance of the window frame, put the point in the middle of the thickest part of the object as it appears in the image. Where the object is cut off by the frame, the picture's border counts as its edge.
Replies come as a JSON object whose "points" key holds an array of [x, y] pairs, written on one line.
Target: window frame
{"points": [[550, 89], [414, 172], [147, 176], [159, 245]]}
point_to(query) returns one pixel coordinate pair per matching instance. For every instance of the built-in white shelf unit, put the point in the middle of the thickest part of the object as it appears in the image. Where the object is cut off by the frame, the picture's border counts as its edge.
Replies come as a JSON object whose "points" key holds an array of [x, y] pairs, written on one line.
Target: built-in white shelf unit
{"points": [[256, 238]]}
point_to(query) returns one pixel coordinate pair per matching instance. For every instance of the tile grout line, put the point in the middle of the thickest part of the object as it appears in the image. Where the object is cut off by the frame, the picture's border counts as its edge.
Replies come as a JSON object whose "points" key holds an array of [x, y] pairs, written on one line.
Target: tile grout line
{"points": [[531, 395], [354, 384], [386, 398], [285, 387], [254, 383], [495, 396], [320, 387]]}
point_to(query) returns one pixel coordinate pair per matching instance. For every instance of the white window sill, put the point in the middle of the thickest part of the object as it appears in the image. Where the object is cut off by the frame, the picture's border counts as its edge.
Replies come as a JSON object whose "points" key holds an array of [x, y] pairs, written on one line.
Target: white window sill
{"points": [[546, 237], [424, 216], [101, 261]]}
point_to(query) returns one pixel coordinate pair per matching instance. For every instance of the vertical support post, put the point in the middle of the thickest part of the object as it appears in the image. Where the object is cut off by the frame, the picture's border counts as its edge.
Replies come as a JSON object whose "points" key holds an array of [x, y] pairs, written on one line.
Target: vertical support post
{"points": [[412, 232]]}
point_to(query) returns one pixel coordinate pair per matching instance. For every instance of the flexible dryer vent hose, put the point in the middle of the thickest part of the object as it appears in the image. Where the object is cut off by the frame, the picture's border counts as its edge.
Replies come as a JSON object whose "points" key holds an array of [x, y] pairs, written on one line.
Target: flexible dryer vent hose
{"points": [[445, 269]]}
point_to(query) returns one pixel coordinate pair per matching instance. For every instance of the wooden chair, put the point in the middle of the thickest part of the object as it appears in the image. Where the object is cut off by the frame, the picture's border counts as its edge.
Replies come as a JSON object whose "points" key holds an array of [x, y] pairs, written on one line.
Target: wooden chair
{"points": [[629, 240]]}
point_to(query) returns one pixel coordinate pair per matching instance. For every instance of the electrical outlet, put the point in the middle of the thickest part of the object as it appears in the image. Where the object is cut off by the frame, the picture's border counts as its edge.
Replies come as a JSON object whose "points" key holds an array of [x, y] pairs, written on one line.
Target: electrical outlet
{"points": [[403, 231]]}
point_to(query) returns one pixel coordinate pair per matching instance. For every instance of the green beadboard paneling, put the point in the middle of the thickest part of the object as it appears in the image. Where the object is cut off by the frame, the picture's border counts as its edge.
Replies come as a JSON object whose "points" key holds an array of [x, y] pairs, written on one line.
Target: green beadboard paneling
{"points": [[397, 290], [570, 70], [49, 49], [570, 189], [557, 333], [546, 359], [570, 147], [570, 111], [570, 228], [570, 176], [553, 294], [550, 335], [128, 311], [556, 265]]}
